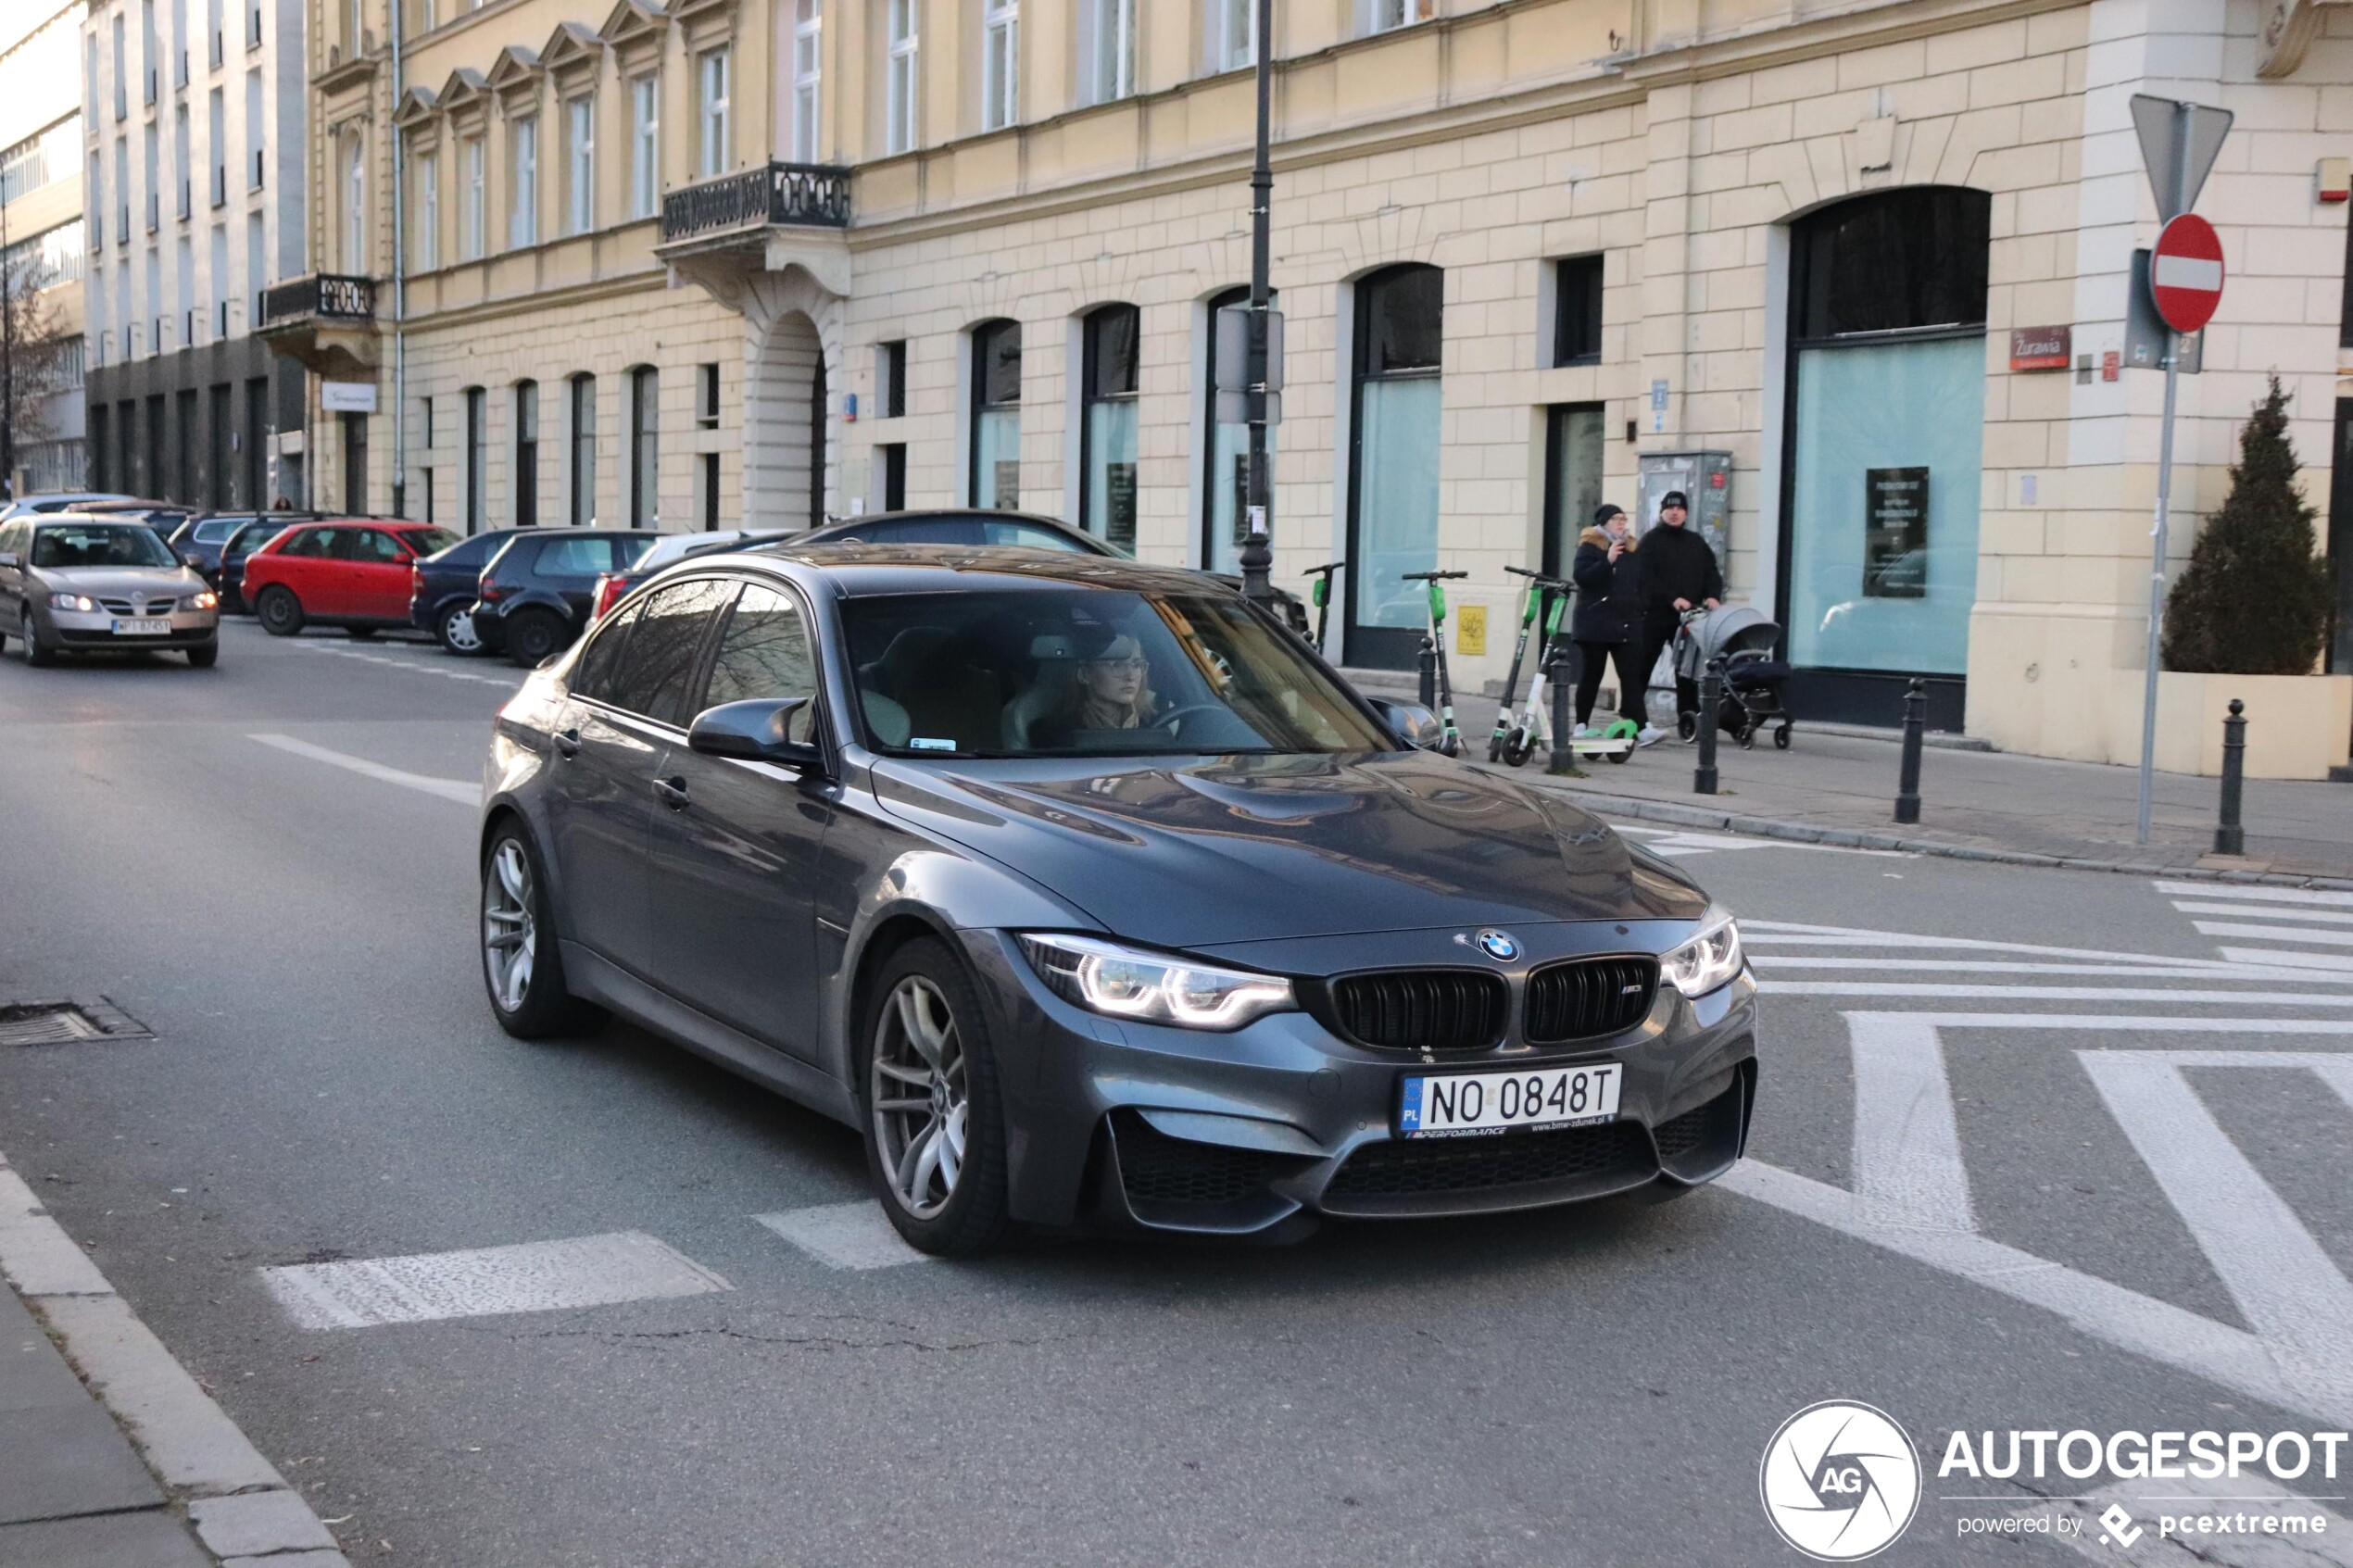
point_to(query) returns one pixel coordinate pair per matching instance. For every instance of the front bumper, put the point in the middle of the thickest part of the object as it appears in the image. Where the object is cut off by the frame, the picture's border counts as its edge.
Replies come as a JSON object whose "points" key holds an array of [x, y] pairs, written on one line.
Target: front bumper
{"points": [[1112, 1125], [84, 633]]}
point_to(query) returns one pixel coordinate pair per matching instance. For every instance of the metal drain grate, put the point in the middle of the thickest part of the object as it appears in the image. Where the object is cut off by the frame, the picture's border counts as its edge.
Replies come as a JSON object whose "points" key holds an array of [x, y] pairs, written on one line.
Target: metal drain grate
{"points": [[63, 1023]]}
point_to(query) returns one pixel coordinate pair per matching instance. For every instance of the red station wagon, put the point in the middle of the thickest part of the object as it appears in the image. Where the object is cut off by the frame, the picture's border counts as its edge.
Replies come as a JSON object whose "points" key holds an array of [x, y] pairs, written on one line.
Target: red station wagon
{"points": [[353, 574]]}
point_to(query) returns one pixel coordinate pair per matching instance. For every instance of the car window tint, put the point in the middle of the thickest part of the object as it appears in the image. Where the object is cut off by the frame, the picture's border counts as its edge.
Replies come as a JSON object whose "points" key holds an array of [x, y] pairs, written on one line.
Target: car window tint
{"points": [[573, 558], [627, 551], [214, 533], [592, 674], [659, 657], [763, 652], [375, 546], [426, 541], [1034, 537]]}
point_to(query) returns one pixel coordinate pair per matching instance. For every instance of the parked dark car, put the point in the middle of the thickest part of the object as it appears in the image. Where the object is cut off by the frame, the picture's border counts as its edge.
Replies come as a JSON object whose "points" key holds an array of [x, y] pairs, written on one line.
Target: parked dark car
{"points": [[668, 551], [539, 592], [242, 545], [960, 525], [1095, 900], [164, 517], [445, 585], [198, 539]]}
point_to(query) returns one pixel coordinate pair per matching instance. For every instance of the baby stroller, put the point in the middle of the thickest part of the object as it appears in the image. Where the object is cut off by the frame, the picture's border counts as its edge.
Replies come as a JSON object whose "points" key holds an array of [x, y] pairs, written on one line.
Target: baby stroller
{"points": [[1752, 677]]}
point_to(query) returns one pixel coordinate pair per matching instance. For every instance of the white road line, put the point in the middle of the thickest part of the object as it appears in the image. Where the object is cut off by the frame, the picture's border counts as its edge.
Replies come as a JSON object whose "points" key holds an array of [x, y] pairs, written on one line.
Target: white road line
{"points": [[845, 1235], [2251, 973], [1774, 933], [537, 1276], [2125, 1023], [2292, 1293], [2323, 964], [1678, 843], [2041, 993], [1908, 1148], [413, 665], [2263, 894], [2261, 911], [448, 789], [2275, 933]]}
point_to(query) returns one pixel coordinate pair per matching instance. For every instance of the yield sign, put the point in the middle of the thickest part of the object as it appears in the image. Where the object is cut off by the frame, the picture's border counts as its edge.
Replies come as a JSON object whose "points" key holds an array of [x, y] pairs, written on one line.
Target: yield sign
{"points": [[2185, 272]]}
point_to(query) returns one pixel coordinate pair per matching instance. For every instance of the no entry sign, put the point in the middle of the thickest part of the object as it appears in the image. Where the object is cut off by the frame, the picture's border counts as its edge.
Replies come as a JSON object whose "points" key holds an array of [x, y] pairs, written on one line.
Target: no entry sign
{"points": [[2185, 272]]}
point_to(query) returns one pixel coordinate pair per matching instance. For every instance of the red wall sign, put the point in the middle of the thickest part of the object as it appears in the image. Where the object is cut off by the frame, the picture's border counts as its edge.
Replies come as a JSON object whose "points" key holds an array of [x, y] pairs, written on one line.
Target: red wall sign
{"points": [[2042, 348]]}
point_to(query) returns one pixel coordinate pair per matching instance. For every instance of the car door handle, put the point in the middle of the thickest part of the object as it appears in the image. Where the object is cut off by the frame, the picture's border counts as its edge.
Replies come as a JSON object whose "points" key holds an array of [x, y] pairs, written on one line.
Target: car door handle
{"points": [[674, 793], [567, 743]]}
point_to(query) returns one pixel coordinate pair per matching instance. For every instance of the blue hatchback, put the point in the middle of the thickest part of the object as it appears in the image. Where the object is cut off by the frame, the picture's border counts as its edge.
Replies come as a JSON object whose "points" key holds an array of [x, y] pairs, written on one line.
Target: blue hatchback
{"points": [[443, 600]]}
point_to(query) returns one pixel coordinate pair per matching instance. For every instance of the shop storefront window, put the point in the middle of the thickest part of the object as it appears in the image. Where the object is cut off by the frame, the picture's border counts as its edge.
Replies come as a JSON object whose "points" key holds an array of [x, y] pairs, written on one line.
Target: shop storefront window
{"points": [[1110, 380], [996, 415], [1399, 334]]}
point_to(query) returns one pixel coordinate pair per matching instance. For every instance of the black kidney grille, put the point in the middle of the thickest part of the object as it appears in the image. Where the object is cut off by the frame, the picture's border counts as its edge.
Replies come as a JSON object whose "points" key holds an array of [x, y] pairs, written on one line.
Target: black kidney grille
{"points": [[1589, 997], [1440, 1010], [1426, 1165]]}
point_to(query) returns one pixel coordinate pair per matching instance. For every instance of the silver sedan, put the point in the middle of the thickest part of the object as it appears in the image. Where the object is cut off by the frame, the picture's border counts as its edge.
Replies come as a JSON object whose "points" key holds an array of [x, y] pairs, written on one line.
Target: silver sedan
{"points": [[74, 583]]}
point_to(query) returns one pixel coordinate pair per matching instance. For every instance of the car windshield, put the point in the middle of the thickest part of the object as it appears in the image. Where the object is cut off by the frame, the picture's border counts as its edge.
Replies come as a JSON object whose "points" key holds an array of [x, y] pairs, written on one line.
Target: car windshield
{"points": [[1089, 671], [429, 541], [99, 544]]}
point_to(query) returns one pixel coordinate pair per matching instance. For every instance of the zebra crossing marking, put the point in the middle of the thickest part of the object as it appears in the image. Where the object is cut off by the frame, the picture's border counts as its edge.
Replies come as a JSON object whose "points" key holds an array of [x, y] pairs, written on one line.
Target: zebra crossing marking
{"points": [[855, 1236], [533, 1277]]}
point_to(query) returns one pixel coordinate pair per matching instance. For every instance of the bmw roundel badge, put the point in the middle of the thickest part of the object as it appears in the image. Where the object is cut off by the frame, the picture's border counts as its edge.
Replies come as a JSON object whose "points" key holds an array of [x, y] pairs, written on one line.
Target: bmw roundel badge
{"points": [[1501, 946]]}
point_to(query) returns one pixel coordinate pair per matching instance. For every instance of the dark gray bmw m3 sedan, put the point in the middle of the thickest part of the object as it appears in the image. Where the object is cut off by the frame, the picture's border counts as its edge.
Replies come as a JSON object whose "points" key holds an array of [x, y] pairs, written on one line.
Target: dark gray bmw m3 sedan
{"points": [[1095, 900]]}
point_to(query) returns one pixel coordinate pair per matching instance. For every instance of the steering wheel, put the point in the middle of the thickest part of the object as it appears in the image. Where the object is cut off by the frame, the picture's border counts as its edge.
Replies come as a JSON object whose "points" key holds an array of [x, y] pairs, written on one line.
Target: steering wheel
{"points": [[1172, 720]]}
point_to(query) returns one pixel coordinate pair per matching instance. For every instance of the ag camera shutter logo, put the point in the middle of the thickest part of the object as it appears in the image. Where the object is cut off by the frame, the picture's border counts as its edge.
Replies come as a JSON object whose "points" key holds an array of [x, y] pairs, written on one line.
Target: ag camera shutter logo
{"points": [[1840, 1480]]}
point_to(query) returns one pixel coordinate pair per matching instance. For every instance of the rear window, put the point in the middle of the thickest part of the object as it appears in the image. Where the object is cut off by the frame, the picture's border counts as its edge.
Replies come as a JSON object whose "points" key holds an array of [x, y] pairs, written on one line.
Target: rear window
{"points": [[428, 541], [214, 531]]}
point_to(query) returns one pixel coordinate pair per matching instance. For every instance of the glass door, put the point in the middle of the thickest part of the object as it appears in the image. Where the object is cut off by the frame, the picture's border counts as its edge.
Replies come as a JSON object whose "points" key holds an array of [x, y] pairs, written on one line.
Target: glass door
{"points": [[1572, 480]]}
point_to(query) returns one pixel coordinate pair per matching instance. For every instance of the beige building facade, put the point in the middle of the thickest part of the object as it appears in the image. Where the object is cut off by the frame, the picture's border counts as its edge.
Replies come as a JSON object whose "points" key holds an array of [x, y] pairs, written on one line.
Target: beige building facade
{"points": [[761, 262]]}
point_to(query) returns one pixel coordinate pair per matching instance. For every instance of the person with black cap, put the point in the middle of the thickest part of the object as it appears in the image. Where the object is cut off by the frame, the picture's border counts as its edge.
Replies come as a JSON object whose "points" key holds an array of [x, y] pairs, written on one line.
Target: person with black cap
{"points": [[1679, 572], [1607, 626]]}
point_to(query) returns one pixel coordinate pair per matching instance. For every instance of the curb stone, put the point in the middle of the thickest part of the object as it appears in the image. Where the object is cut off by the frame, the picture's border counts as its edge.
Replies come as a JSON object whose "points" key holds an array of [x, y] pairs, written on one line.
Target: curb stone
{"points": [[1848, 839], [235, 1499]]}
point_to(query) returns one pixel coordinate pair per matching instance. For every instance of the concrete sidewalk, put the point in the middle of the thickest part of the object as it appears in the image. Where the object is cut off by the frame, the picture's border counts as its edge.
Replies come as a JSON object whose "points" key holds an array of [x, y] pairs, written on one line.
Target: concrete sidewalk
{"points": [[76, 1489], [1971, 800]]}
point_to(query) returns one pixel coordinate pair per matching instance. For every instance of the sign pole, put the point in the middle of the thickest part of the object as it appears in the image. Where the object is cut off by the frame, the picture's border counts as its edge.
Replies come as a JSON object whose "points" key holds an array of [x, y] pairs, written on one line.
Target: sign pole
{"points": [[1256, 555], [2184, 186]]}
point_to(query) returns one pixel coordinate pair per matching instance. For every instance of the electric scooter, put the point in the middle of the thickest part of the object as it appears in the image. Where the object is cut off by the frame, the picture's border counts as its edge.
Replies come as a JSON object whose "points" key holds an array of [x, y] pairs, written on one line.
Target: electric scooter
{"points": [[1540, 589], [1532, 734], [1320, 595], [1450, 739]]}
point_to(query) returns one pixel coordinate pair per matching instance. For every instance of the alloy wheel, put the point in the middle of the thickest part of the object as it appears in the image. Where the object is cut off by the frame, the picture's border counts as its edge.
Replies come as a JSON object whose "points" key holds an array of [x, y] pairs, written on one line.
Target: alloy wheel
{"points": [[457, 632], [922, 1100], [509, 929]]}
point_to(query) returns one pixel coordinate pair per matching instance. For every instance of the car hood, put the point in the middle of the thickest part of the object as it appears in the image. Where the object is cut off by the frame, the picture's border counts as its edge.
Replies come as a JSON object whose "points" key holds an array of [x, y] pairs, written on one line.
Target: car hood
{"points": [[1192, 851], [121, 580]]}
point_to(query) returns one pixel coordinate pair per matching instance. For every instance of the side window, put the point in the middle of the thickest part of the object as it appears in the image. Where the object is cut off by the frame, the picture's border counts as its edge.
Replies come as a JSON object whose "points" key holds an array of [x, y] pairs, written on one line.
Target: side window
{"points": [[373, 545], [344, 543], [311, 542], [574, 558], [657, 658], [765, 652], [592, 675]]}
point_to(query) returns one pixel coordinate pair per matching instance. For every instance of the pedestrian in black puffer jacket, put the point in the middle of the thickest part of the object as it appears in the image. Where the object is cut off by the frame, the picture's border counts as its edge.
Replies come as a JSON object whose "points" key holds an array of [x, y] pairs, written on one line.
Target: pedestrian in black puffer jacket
{"points": [[1607, 625], [1680, 572]]}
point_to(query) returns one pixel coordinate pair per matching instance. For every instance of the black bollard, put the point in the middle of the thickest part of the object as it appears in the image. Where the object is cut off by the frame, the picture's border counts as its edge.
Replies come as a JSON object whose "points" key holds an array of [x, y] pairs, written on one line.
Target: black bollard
{"points": [[2229, 837], [1560, 674], [1427, 664], [1907, 786], [1711, 696]]}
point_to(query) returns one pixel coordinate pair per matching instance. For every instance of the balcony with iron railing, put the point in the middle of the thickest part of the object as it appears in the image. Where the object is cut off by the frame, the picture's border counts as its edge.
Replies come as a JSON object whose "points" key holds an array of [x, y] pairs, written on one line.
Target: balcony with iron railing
{"points": [[780, 194], [327, 321]]}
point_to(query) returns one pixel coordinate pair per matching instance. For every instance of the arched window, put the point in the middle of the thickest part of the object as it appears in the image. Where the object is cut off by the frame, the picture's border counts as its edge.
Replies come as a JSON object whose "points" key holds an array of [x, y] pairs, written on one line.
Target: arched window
{"points": [[526, 453], [1883, 446], [584, 449], [1225, 454], [996, 416], [1393, 518], [1107, 383], [645, 448]]}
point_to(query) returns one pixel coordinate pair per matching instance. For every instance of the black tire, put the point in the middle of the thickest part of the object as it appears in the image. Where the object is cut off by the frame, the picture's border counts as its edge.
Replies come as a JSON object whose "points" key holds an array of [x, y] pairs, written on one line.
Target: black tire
{"points": [[1518, 749], [36, 653], [541, 1007], [1746, 735], [534, 636], [205, 655], [1781, 738], [1622, 756], [454, 630], [280, 612], [971, 1219], [1686, 726], [359, 634]]}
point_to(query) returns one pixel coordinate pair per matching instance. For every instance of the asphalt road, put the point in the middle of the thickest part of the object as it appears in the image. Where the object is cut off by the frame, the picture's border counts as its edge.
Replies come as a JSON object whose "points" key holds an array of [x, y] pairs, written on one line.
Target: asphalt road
{"points": [[2012, 1206]]}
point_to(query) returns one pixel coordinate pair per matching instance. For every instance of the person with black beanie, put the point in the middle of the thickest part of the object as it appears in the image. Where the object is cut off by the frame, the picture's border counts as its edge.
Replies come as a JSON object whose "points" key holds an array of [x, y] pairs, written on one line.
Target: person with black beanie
{"points": [[1679, 572], [1607, 626]]}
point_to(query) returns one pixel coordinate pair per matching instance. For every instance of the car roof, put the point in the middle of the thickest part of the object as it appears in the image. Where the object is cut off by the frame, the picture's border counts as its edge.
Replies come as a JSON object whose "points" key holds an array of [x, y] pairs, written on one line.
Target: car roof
{"points": [[856, 569], [850, 525]]}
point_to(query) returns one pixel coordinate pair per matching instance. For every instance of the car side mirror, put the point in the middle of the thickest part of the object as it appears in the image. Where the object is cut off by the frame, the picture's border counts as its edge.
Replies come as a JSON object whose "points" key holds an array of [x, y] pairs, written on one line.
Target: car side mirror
{"points": [[1410, 721], [754, 731]]}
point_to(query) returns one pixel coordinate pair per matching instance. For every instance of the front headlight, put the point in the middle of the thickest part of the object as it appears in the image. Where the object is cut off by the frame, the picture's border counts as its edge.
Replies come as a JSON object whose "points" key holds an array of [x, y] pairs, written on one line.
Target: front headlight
{"points": [[204, 601], [1156, 987], [1707, 961], [80, 603]]}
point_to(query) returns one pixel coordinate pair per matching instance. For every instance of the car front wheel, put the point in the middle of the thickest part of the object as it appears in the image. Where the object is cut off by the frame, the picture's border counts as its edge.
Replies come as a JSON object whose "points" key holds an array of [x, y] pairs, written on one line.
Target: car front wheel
{"points": [[280, 611], [35, 653], [521, 964], [935, 1126], [204, 655]]}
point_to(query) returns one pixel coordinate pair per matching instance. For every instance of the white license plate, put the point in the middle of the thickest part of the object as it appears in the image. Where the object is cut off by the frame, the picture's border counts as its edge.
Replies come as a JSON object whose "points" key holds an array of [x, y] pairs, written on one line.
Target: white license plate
{"points": [[144, 628], [1467, 1104]]}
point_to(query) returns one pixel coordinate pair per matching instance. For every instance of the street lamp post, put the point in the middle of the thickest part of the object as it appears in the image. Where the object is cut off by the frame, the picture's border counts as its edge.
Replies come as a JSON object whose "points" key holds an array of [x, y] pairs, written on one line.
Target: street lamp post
{"points": [[1256, 556]]}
